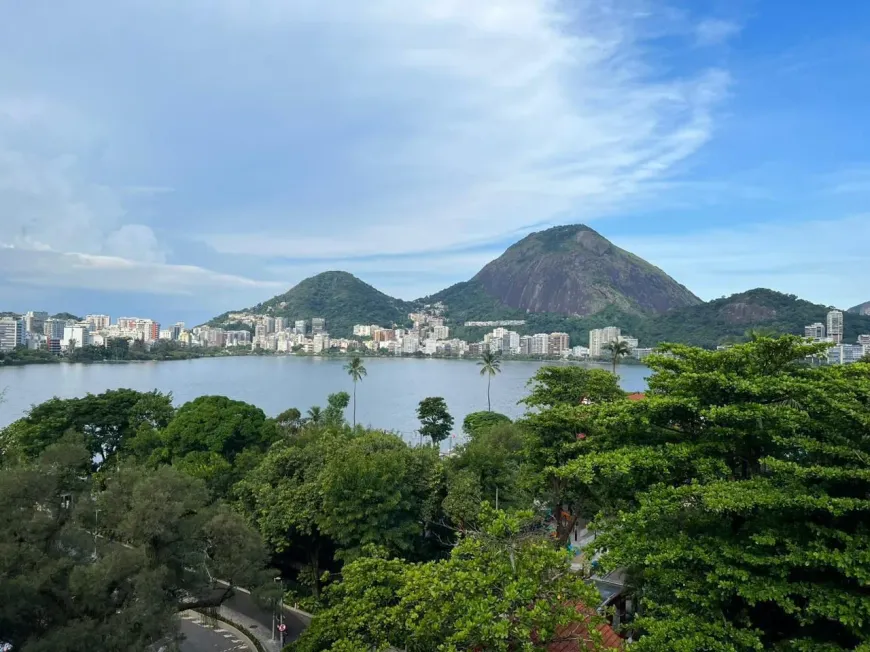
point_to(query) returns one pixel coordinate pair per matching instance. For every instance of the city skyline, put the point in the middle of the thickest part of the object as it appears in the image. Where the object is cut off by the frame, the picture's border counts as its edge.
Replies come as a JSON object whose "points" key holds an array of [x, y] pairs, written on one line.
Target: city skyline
{"points": [[421, 142]]}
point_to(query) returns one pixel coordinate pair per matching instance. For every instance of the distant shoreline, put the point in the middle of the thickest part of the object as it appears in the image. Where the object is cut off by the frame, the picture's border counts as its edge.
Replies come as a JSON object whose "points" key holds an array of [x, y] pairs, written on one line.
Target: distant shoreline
{"points": [[327, 356]]}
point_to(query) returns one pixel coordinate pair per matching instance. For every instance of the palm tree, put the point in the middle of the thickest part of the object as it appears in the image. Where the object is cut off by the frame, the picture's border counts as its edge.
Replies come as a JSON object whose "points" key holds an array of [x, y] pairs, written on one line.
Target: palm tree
{"points": [[315, 414], [618, 349], [489, 365], [356, 370]]}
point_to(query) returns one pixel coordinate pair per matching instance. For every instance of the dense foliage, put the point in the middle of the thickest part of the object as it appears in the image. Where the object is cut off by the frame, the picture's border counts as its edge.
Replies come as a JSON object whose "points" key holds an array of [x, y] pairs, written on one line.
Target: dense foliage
{"points": [[340, 298], [435, 421], [737, 495], [84, 567], [525, 583]]}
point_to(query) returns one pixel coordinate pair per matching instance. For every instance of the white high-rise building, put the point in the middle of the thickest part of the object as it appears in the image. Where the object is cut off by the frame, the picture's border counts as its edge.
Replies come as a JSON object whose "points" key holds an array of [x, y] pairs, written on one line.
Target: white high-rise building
{"points": [[300, 326], [600, 337], [540, 344], [632, 342], [835, 326], [410, 344], [11, 333], [318, 325], [76, 336], [815, 331], [280, 324], [440, 332]]}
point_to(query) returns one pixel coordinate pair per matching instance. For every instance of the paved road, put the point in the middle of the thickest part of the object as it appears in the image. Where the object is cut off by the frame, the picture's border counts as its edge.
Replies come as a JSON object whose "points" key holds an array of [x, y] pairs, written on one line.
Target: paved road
{"points": [[203, 638], [260, 619]]}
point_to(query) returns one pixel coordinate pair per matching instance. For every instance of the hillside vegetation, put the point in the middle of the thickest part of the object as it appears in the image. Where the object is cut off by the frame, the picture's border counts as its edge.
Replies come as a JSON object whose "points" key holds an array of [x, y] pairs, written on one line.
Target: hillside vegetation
{"points": [[339, 297]]}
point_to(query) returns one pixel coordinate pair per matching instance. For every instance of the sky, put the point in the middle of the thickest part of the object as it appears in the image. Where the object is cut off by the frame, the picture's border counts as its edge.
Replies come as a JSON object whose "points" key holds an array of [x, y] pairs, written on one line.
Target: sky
{"points": [[178, 159]]}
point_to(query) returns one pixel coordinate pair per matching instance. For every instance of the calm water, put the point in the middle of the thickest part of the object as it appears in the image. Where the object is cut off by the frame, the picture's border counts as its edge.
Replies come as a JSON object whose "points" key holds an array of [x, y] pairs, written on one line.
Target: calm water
{"points": [[387, 397]]}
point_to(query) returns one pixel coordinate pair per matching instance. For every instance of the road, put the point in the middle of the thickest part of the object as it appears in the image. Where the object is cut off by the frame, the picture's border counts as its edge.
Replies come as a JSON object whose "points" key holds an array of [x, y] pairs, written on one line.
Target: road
{"points": [[260, 619], [203, 638]]}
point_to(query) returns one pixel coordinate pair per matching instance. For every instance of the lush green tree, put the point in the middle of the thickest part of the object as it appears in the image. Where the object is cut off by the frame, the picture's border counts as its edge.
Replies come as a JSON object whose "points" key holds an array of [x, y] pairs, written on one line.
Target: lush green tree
{"points": [[211, 438], [377, 491], [490, 365], [336, 404], [110, 570], [356, 370], [617, 350], [476, 422], [108, 422], [504, 588], [571, 385], [435, 421], [738, 498], [283, 497], [462, 503], [493, 457], [290, 420]]}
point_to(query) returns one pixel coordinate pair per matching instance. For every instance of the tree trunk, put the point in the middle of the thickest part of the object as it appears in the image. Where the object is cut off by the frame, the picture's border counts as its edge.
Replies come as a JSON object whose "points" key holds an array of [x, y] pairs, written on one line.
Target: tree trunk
{"points": [[354, 405], [488, 402]]}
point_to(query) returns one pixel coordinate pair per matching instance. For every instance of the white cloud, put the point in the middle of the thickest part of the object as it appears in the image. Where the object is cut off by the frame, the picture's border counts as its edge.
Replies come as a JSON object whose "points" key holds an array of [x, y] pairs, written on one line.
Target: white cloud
{"points": [[302, 129], [821, 261], [110, 273], [716, 31]]}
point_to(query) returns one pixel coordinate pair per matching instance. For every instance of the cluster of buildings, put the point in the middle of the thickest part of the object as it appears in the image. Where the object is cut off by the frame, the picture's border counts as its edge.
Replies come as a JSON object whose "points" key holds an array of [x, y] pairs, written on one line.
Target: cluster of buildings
{"points": [[269, 333], [36, 330], [831, 332]]}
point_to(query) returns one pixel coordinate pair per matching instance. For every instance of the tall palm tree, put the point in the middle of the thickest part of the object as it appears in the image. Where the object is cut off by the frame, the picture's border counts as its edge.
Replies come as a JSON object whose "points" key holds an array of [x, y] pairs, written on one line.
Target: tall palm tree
{"points": [[356, 370], [489, 365], [618, 349]]}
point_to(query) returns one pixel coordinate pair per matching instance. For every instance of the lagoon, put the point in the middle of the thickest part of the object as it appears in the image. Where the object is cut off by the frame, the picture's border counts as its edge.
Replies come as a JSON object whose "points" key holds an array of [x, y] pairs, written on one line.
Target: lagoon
{"points": [[387, 397]]}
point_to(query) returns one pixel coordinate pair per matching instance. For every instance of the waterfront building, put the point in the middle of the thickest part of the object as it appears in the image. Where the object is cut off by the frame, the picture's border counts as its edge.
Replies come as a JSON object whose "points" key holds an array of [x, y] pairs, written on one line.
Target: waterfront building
{"points": [[600, 337], [11, 333]]}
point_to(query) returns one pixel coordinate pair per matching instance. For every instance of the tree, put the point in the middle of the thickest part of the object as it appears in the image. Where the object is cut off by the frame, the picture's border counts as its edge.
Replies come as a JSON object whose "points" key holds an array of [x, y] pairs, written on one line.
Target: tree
{"points": [[356, 370], [108, 422], [489, 365], [290, 420], [617, 349], [738, 498], [376, 492], [435, 421], [64, 589], [283, 499], [571, 385], [208, 437], [503, 588], [493, 457], [314, 415], [333, 415], [475, 423]]}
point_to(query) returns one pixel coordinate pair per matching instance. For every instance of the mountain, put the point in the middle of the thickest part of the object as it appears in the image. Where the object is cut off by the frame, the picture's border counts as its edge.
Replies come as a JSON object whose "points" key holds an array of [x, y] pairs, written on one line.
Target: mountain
{"points": [[574, 270], [717, 321], [339, 297], [861, 309]]}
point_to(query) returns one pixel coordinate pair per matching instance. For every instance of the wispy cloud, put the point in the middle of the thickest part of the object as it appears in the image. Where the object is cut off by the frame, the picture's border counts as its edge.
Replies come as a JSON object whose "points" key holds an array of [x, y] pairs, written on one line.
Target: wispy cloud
{"points": [[338, 130], [715, 31], [849, 181]]}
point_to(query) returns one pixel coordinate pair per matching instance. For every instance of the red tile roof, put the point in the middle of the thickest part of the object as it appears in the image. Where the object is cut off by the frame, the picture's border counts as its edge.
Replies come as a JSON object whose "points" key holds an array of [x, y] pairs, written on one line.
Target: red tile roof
{"points": [[636, 396], [575, 637]]}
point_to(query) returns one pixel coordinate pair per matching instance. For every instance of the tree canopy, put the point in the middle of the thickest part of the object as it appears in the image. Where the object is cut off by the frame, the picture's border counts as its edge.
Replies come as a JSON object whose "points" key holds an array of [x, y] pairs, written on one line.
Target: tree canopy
{"points": [[737, 496], [83, 568], [108, 422], [435, 421], [503, 588]]}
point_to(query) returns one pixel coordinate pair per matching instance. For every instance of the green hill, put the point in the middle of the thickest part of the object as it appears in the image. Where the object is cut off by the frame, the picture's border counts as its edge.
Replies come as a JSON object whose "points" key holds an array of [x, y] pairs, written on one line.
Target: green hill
{"points": [[339, 297]]}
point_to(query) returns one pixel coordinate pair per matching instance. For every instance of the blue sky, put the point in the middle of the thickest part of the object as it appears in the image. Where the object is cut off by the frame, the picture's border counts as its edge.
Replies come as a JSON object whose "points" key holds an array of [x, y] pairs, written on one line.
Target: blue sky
{"points": [[178, 159]]}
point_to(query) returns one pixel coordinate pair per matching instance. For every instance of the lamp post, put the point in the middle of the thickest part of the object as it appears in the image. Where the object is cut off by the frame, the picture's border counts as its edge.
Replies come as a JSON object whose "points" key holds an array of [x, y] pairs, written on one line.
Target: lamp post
{"points": [[276, 609]]}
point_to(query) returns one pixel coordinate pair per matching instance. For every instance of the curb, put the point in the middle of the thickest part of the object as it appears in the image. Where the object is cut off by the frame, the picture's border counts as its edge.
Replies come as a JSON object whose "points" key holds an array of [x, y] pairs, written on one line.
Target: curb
{"points": [[233, 628]]}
